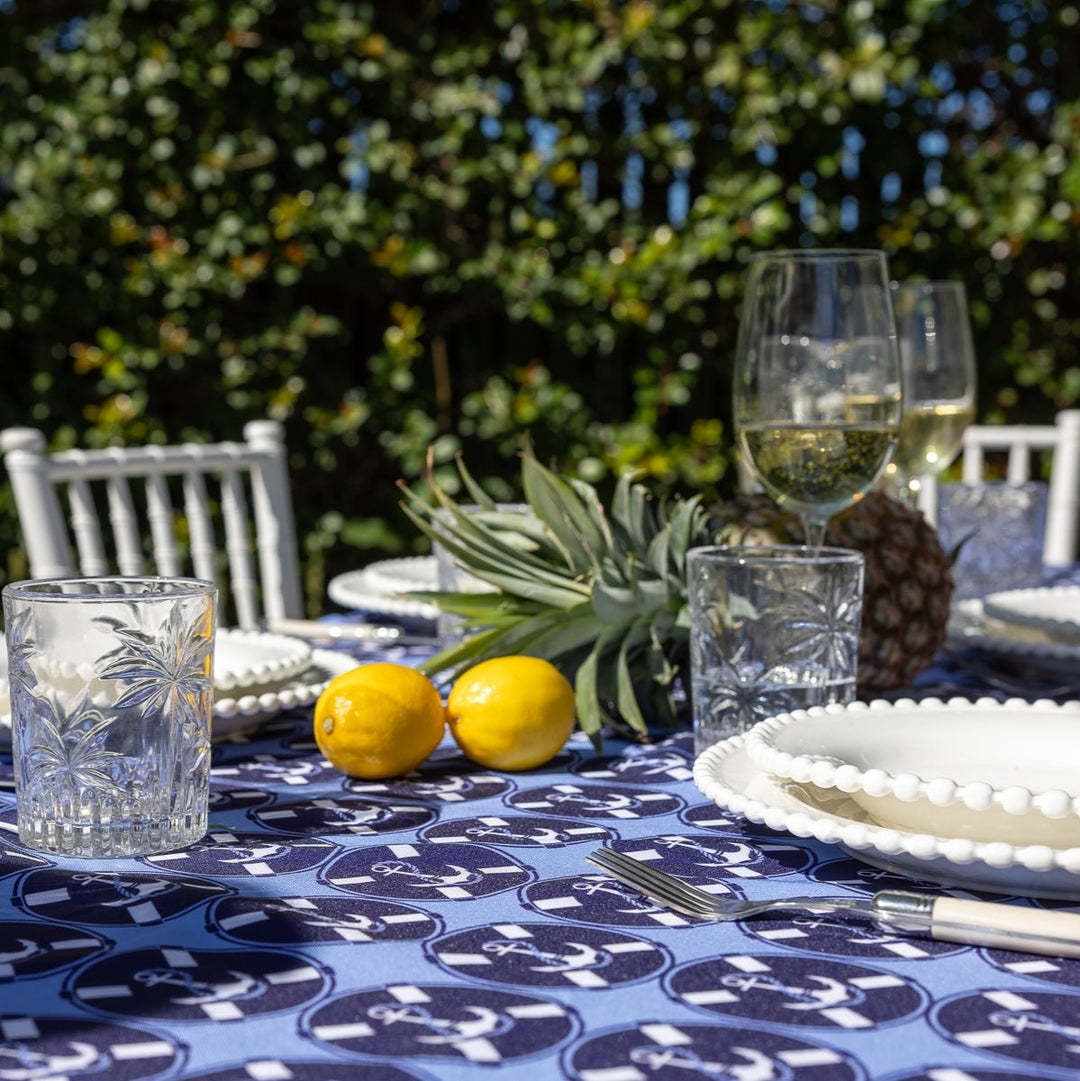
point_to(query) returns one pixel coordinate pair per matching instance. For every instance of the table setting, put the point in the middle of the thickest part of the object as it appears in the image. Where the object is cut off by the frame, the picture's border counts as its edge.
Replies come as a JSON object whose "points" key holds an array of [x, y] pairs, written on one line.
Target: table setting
{"points": [[646, 789]]}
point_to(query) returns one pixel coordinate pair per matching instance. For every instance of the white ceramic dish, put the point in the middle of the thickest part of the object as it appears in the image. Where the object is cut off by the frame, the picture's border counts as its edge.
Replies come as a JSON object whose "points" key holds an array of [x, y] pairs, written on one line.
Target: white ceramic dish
{"points": [[1052, 609], [988, 770], [382, 587], [246, 660], [971, 628], [235, 713], [725, 774]]}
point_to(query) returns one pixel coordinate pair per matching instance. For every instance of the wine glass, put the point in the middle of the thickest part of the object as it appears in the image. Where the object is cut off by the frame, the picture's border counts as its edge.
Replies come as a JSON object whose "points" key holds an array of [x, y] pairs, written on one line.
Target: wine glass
{"points": [[818, 387], [938, 362]]}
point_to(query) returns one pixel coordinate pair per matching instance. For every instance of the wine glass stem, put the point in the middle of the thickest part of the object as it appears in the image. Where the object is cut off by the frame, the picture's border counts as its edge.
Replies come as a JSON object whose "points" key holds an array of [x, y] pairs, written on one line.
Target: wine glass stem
{"points": [[814, 528]]}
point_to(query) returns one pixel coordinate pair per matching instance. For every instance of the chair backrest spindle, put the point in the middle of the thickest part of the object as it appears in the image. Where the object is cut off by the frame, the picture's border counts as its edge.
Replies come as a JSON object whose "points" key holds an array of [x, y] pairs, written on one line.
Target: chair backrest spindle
{"points": [[258, 548]]}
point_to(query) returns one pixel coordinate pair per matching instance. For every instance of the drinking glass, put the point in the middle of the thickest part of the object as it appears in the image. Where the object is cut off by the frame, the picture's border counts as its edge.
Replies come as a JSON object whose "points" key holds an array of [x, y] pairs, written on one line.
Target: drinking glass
{"points": [[772, 629], [111, 701], [817, 378], [938, 362]]}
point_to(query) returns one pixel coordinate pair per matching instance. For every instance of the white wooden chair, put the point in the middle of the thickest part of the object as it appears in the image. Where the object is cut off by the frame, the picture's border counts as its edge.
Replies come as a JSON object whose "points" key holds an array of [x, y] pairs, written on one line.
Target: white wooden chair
{"points": [[170, 524], [1021, 443]]}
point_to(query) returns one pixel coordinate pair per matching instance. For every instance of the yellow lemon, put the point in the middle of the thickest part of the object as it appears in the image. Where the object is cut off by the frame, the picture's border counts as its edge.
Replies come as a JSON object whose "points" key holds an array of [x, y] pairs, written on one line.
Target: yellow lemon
{"points": [[511, 713], [379, 720]]}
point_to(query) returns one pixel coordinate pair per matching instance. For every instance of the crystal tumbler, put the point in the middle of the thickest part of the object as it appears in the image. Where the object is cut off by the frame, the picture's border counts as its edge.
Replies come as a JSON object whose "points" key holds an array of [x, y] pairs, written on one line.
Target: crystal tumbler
{"points": [[112, 696], [772, 629], [997, 530]]}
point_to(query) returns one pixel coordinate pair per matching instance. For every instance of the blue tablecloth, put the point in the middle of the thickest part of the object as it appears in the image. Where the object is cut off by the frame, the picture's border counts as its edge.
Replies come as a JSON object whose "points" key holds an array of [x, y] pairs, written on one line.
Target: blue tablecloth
{"points": [[447, 924]]}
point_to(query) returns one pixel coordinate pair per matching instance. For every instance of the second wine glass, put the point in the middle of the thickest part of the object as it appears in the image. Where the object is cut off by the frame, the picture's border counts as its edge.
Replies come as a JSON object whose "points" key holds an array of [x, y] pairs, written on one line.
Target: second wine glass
{"points": [[817, 399], [938, 360]]}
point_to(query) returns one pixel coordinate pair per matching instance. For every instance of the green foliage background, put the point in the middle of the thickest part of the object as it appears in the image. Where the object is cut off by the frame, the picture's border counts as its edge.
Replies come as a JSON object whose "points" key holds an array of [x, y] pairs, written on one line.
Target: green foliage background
{"points": [[447, 223]]}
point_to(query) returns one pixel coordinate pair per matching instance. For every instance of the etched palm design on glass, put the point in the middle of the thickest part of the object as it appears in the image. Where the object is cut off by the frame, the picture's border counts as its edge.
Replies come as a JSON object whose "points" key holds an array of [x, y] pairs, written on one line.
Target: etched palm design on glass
{"points": [[772, 630], [111, 686], [166, 670]]}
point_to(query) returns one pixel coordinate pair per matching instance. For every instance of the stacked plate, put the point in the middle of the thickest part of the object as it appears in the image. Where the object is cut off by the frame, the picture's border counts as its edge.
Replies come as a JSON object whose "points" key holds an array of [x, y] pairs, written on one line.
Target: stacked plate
{"points": [[981, 794], [1037, 629]]}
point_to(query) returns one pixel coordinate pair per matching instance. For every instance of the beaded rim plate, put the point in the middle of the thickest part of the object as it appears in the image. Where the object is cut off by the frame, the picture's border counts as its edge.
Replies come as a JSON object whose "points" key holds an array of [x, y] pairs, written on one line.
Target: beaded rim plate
{"points": [[1053, 609], [249, 659], [725, 774], [979, 768], [970, 627], [382, 587]]}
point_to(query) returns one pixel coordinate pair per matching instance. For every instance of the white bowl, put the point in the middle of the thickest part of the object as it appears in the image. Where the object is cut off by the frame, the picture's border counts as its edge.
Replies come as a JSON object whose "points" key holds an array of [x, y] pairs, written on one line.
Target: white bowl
{"points": [[985, 770]]}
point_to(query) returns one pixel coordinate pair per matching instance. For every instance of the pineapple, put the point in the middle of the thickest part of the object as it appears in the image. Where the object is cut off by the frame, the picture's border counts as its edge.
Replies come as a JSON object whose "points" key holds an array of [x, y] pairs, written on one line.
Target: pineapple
{"points": [[908, 581], [600, 595]]}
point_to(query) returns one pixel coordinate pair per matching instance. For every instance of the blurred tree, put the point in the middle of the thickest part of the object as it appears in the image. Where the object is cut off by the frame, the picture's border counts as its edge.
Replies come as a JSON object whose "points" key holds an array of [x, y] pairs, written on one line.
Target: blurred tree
{"points": [[403, 225]]}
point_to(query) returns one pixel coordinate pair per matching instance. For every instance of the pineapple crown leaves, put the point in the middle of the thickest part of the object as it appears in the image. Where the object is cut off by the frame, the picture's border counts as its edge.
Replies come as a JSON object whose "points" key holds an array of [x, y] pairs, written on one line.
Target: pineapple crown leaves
{"points": [[602, 597]]}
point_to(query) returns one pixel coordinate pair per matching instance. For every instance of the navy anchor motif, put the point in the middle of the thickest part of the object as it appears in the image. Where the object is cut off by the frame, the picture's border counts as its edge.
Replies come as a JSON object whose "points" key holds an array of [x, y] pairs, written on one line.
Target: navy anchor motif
{"points": [[112, 898], [176, 983], [343, 920], [796, 991], [605, 802], [547, 955], [517, 831], [1036, 1027], [46, 1048], [428, 872], [472, 1026], [35, 949], [664, 1050]]}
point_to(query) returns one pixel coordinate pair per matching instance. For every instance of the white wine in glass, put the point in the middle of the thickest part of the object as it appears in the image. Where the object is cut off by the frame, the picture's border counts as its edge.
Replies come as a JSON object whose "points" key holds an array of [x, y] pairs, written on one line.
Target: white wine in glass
{"points": [[938, 361], [817, 399]]}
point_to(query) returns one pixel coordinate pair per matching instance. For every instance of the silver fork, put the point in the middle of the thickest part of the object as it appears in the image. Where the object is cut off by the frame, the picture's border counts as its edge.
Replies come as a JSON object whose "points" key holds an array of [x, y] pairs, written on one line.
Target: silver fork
{"points": [[951, 919], [674, 893]]}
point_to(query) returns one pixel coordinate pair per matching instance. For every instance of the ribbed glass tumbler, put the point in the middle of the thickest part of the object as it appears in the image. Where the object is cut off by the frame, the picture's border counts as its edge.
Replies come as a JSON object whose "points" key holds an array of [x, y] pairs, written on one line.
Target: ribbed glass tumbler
{"points": [[772, 629], [111, 684]]}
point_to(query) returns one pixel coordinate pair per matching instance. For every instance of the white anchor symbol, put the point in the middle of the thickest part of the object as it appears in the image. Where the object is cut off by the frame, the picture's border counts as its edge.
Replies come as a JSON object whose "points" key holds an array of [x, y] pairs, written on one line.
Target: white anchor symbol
{"points": [[757, 1066], [635, 901], [39, 1064], [585, 956], [352, 921], [484, 1023], [247, 853], [830, 992], [130, 891], [1034, 1022], [205, 991], [454, 876]]}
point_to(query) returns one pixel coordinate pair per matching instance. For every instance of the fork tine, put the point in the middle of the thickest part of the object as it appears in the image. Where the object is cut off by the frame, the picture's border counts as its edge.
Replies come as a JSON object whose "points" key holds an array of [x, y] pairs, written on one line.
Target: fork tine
{"points": [[659, 885], [656, 876], [659, 894]]}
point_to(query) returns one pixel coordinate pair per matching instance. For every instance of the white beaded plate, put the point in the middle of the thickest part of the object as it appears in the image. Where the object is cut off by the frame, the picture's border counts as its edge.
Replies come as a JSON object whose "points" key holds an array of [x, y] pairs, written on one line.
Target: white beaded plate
{"points": [[1053, 609], [725, 774], [383, 587], [988, 770]]}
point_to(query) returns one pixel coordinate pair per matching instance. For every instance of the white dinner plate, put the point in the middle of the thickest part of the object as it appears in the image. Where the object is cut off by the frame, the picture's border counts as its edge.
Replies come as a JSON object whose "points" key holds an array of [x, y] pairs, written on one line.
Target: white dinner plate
{"points": [[1039, 653], [984, 769], [725, 774], [383, 587], [1052, 609]]}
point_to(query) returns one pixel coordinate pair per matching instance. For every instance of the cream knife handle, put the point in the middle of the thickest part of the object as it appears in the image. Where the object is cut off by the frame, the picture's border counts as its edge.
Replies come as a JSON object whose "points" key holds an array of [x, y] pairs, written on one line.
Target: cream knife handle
{"points": [[1008, 927], [980, 923]]}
